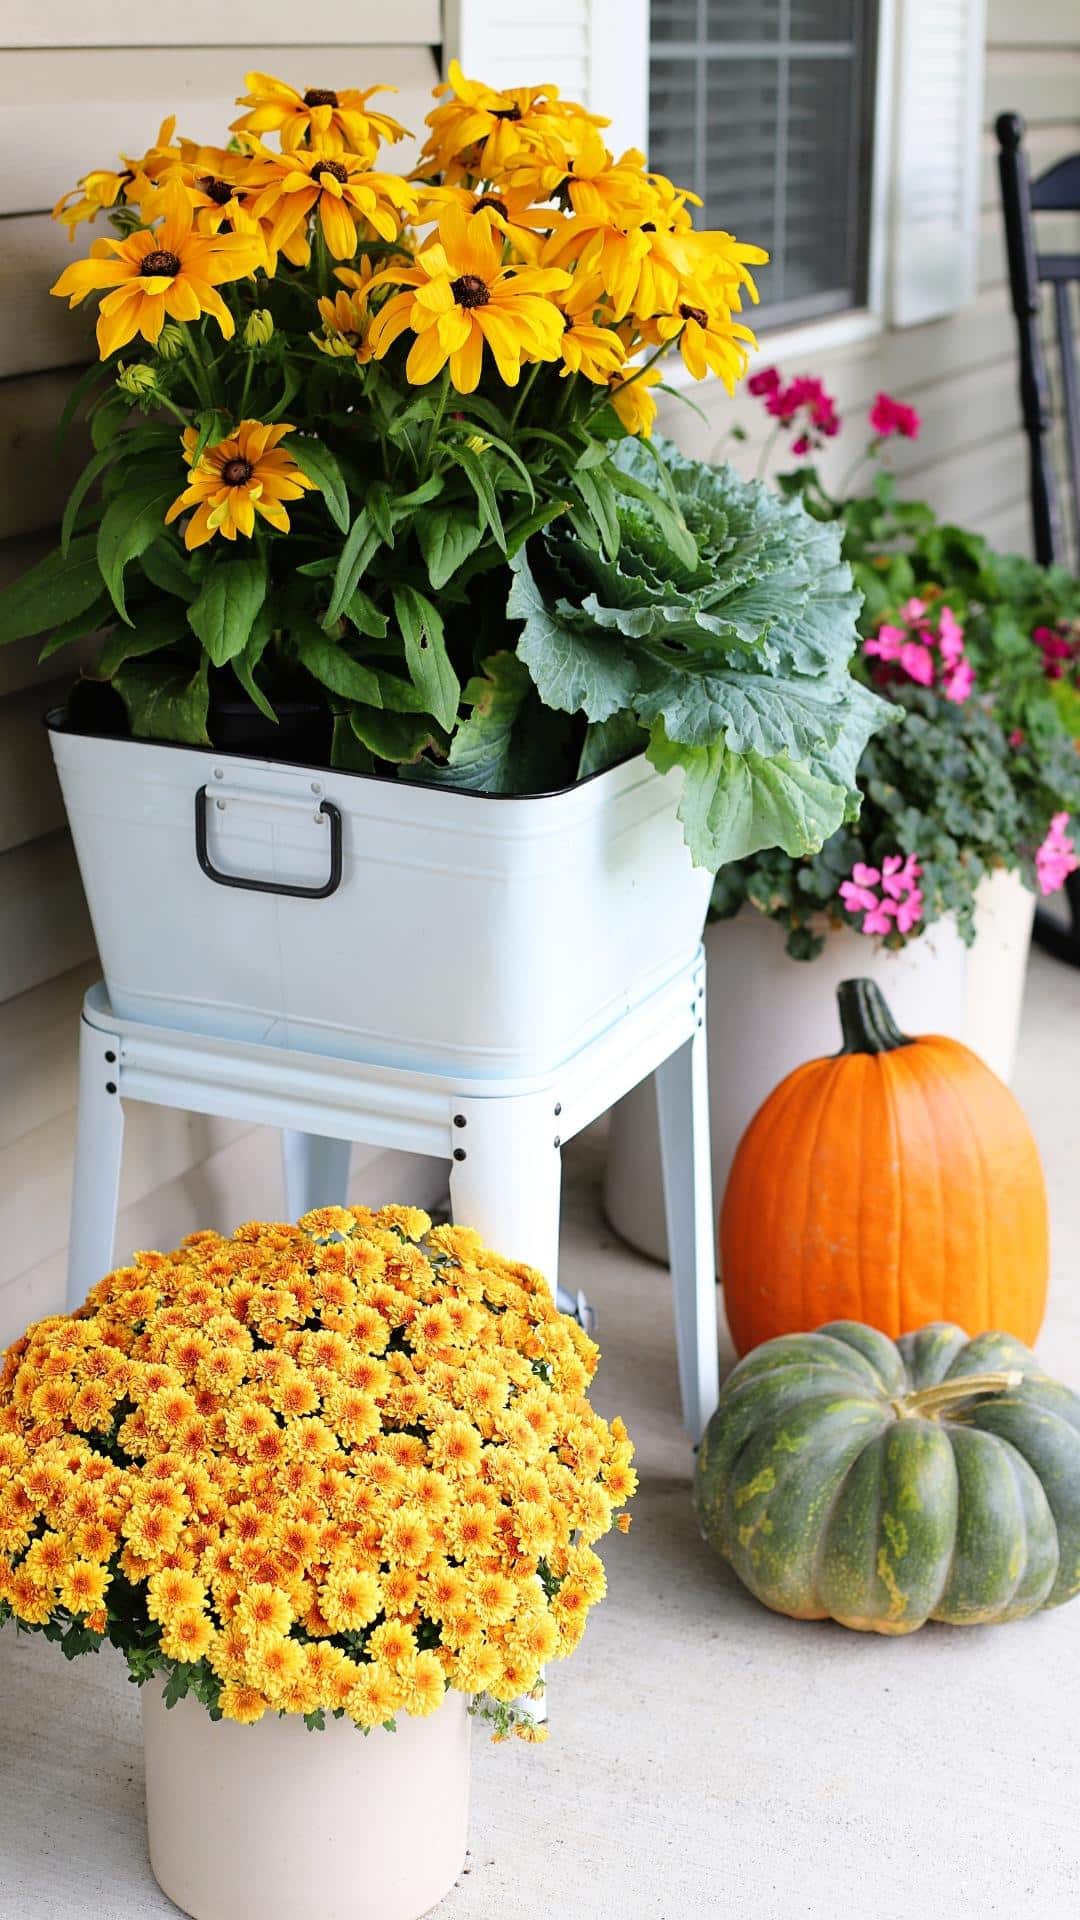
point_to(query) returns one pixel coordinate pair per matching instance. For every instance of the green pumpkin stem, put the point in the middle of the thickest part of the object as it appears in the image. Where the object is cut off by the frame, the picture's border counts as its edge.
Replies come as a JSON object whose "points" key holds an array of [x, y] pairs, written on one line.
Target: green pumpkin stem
{"points": [[925, 1403], [865, 1020]]}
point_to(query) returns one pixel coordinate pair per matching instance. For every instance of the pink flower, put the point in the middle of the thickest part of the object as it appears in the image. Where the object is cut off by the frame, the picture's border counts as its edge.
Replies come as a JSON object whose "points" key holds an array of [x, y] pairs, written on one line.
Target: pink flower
{"points": [[1017, 737], [1056, 858], [923, 653], [1057, 651], [957, 683], [803, 404], [917, 662], [950, 637], [888, 416], [900, 903]]}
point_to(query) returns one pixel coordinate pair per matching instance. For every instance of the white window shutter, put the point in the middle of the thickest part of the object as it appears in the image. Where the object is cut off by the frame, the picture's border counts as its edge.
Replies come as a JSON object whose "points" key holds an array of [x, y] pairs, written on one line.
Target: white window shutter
{"points": [[937, 118], [595, 51]]}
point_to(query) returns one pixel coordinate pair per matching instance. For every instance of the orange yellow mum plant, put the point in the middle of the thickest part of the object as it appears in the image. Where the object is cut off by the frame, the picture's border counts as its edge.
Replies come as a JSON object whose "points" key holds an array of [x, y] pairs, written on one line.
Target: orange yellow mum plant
{"points": [[333, 1468], [383, 417]]}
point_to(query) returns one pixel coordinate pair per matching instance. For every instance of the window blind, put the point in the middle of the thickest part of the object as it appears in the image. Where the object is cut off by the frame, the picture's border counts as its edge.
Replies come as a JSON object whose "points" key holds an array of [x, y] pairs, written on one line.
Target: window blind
{"points": [[764, 108]]}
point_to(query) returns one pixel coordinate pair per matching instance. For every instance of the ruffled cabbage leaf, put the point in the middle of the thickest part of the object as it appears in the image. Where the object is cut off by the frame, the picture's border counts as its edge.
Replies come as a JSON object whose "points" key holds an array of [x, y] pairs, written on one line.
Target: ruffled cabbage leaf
{"points": [[731, 648]]}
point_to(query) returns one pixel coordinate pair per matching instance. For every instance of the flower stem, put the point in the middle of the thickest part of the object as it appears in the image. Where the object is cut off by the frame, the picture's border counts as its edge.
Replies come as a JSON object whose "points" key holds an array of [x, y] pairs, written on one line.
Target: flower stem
{"points": [[635, 376], [437, 417]]}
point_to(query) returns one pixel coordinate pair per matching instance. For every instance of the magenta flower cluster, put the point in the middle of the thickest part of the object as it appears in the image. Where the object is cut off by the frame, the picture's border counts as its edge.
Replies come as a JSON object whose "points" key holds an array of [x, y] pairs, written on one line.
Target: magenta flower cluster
{"points": [[931, 654], [1056, 858], [1059, 652], [888, 897], [802, 403], [888, 417]]}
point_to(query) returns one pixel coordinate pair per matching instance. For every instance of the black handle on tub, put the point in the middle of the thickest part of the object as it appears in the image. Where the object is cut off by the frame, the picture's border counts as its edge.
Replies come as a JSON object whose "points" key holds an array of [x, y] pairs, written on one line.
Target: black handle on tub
{"points": [[202, 855]]}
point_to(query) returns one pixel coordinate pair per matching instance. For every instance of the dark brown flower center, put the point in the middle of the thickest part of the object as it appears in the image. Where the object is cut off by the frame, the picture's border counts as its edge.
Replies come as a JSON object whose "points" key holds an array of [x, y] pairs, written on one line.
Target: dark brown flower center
{"points": [[219, 191], [237, 473], [320, 97], [334, 168], [695, 313], [489, 200], [160, 262], [470, 291]]}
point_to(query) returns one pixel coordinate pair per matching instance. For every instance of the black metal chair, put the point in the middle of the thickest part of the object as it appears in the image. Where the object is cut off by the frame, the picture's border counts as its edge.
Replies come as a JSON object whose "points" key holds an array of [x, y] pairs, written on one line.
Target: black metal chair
{"points": [[1055, 508]]}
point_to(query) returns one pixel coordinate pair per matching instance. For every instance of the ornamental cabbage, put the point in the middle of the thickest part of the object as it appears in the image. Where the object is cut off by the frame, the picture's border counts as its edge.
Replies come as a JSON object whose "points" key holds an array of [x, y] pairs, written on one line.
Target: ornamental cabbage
{"points": [[716, 625]]}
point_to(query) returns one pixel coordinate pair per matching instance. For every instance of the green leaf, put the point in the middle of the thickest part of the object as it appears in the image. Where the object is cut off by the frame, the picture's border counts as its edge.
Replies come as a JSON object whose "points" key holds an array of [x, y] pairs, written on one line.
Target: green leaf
{"points": [[377, 506], [447, 536], [108, 419], [428, 662], [397, 694], [361, 542], [521, 530], [608, 742], [81, 488], [346, 751], [365, 616], [245, 663], [154, 629], [481, 483], [293, 377], [212, 425], [393, 736], [599, 496], [224, 613], [574, 667], [165, 702], [93, 375], [669, 519], [483, 756], [320, 465], [55, 592], [734, 804], [327, 661], [131, 523], [99, 614], [166, 565]]}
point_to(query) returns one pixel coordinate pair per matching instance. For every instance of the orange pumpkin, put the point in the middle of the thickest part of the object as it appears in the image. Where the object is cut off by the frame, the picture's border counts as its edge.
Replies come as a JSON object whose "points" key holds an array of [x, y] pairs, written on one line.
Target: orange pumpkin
{"points": [[895, 1182]]}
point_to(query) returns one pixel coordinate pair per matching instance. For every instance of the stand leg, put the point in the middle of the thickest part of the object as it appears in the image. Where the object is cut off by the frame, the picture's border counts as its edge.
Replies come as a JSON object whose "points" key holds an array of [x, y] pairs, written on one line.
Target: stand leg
{"points": [[99, 1146], [682, 1095], [316, 1171], [508, 1185], [506, 1177]]}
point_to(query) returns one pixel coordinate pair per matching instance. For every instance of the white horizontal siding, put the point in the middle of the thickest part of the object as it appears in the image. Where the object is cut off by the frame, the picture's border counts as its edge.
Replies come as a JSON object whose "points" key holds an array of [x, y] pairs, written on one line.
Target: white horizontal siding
{"points": [[77, 87]]}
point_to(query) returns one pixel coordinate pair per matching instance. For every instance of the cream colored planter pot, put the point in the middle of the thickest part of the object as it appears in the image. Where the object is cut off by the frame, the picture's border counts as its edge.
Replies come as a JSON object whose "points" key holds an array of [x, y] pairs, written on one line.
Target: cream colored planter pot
{"points": [[272, 1822], [767, 1014]]}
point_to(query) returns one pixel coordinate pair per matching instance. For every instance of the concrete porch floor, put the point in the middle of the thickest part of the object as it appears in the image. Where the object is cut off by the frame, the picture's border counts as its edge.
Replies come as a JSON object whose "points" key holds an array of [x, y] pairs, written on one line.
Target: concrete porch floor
{"points": [[707, 1758]]}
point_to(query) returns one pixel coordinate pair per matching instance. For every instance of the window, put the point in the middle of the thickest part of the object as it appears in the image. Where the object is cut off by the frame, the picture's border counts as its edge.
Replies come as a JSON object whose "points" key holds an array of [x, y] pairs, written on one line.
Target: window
{"points": [[765, 109]]}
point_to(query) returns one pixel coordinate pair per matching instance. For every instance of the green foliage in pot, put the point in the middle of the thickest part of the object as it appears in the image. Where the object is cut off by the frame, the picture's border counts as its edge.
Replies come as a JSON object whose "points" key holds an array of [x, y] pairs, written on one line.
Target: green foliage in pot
{"points": [[350, 482], [981, 652]]}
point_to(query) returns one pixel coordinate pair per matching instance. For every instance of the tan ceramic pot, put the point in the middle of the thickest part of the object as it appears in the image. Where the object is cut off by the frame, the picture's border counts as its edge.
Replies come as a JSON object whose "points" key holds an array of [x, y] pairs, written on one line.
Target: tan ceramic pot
{"points": [[274, 1822]]}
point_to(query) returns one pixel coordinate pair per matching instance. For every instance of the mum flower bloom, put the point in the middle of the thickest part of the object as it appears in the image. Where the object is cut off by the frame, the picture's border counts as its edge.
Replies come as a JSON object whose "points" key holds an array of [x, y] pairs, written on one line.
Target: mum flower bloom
{"points": [[334, 121], [248, 473], [888, 417], [465, 299], [1056, 858], [165, 272], [287, 187]]}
